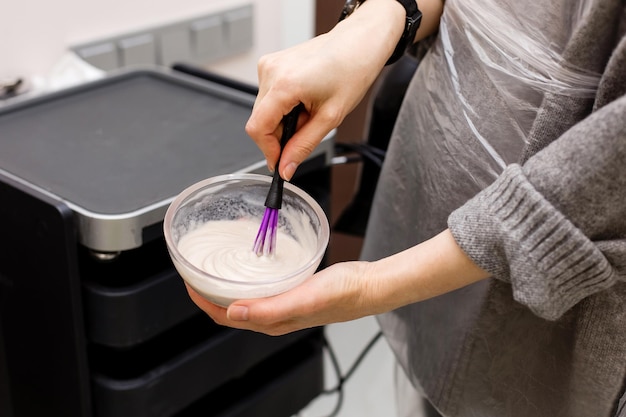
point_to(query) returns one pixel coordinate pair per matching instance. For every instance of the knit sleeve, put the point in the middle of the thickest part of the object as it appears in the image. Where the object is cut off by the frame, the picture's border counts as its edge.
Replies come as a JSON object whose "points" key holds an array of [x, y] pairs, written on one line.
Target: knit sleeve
{"points": [[555, 228]]}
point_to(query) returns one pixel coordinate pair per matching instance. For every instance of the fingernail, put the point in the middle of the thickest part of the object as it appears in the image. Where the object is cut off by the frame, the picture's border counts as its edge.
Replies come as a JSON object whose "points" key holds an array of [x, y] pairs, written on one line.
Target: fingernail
{"points": [[270, 167], [237, 313], [289, 171]]}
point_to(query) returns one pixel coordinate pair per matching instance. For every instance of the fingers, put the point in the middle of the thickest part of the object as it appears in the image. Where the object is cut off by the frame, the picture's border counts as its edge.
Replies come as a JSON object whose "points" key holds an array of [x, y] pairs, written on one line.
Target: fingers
{"points": [[302, 74], [280, 314], [305, 140], [264, 127], [273, 315], [335, 294], [264, 124]]}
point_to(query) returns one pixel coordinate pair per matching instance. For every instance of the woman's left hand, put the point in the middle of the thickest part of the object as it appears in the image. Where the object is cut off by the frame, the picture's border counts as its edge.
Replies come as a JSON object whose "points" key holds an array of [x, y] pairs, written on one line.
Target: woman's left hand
{"points": [[338, 293], [351, 290]]}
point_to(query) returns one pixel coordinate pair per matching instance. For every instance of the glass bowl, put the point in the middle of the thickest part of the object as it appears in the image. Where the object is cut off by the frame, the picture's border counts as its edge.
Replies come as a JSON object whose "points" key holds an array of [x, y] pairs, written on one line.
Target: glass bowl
{"points": [[210, 229]]}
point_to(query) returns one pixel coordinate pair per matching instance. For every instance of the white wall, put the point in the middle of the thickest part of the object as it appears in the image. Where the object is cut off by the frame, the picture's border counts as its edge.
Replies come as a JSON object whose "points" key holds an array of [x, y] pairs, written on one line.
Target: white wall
{"points": [[34, 34]]}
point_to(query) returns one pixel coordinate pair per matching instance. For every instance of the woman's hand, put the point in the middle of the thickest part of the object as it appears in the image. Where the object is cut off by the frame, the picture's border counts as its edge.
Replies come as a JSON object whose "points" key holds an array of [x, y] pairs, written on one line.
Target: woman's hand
{"points": [[338, 293], [329, 74], [350, 290]]}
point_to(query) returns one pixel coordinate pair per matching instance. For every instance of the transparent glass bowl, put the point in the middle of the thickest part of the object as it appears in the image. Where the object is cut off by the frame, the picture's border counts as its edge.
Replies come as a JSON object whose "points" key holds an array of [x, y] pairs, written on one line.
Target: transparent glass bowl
{"points": [[242, 196]]}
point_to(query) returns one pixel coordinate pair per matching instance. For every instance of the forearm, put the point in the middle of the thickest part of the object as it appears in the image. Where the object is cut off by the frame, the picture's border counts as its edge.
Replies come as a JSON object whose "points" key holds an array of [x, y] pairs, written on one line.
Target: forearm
{"points": [[350, 290], [432, 268]]}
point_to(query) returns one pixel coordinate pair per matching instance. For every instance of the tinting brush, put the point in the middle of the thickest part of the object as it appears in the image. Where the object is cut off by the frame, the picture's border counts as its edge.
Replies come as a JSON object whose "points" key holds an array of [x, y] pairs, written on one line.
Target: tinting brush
{"points": [[265, 242]]}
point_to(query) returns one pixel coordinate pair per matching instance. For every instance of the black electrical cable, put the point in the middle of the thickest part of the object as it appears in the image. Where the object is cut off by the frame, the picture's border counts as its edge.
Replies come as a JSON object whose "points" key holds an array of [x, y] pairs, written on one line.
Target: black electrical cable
{"points": [[339, 387], [372, 153], [342, 379]]}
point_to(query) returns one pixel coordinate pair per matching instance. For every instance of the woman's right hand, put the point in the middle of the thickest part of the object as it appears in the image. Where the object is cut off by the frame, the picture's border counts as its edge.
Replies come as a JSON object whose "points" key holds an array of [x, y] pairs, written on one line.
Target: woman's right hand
{"points": [[329, 74]]}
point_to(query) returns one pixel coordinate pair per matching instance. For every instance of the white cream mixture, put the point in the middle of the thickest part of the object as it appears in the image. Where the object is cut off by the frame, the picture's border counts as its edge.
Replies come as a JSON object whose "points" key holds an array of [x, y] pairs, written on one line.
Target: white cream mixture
{"points": [[224, 249]]}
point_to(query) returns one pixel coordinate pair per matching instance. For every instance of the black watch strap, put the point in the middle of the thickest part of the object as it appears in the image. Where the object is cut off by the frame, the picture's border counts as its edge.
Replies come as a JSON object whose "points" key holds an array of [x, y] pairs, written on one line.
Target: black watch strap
{"points": [[411, 24]]}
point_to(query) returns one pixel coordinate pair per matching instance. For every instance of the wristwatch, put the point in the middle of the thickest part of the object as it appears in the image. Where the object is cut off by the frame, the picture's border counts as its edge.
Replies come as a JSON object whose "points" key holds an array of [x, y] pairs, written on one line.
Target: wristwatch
{"points": [[411, 24]]}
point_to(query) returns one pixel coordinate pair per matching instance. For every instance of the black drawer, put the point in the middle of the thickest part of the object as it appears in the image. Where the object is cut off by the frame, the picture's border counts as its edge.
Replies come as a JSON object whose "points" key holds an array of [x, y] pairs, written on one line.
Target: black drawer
{"points": [[126, 316], [133, 298], [163, 386]]}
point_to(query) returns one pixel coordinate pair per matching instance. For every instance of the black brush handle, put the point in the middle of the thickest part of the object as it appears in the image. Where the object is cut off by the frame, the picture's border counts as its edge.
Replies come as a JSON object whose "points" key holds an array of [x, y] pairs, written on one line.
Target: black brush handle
{"points": [[290, 122]]}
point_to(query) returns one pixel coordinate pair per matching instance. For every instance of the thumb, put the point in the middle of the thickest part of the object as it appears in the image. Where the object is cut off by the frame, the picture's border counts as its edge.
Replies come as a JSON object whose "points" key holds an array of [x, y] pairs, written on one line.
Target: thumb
{"points": [[271, 310], [264, 311]]}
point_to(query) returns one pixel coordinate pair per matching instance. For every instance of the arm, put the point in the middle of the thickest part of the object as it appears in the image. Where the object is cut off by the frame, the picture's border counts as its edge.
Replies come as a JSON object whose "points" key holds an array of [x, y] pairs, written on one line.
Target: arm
{"points": [[350, 290], [330, 74], [556, 227]]}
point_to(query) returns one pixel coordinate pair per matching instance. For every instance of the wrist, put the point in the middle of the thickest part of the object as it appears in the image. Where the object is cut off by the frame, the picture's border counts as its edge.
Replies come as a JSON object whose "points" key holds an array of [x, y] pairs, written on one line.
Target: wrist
{"points": [[416, 22], [410, 23], [377, 23]]}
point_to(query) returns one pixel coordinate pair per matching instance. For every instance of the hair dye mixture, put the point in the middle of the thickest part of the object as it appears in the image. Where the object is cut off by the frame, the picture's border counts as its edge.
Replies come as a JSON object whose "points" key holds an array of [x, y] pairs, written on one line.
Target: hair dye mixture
{"points": [[224, 249]]}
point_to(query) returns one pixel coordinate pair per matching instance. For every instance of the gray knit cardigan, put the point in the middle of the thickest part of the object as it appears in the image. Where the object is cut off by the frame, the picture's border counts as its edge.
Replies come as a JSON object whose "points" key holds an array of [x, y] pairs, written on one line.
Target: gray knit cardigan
{"points": [[553, 228]]}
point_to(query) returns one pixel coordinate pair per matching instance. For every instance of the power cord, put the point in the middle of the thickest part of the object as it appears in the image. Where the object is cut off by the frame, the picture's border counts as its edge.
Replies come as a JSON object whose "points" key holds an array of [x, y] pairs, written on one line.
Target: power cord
{"points": [[342, 379], [362, 150]]}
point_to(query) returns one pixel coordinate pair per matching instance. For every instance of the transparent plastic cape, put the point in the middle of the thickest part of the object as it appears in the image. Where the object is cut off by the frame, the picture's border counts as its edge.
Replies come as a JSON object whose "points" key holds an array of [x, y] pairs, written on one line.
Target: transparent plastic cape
{"points": [[520, 49], [466, 115]]}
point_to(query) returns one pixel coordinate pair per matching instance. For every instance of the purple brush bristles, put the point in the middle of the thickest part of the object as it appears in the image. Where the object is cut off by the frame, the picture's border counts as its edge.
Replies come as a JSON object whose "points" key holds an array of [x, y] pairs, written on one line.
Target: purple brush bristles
{"points": [[260, 236], [265, 244], [268, 224]]}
